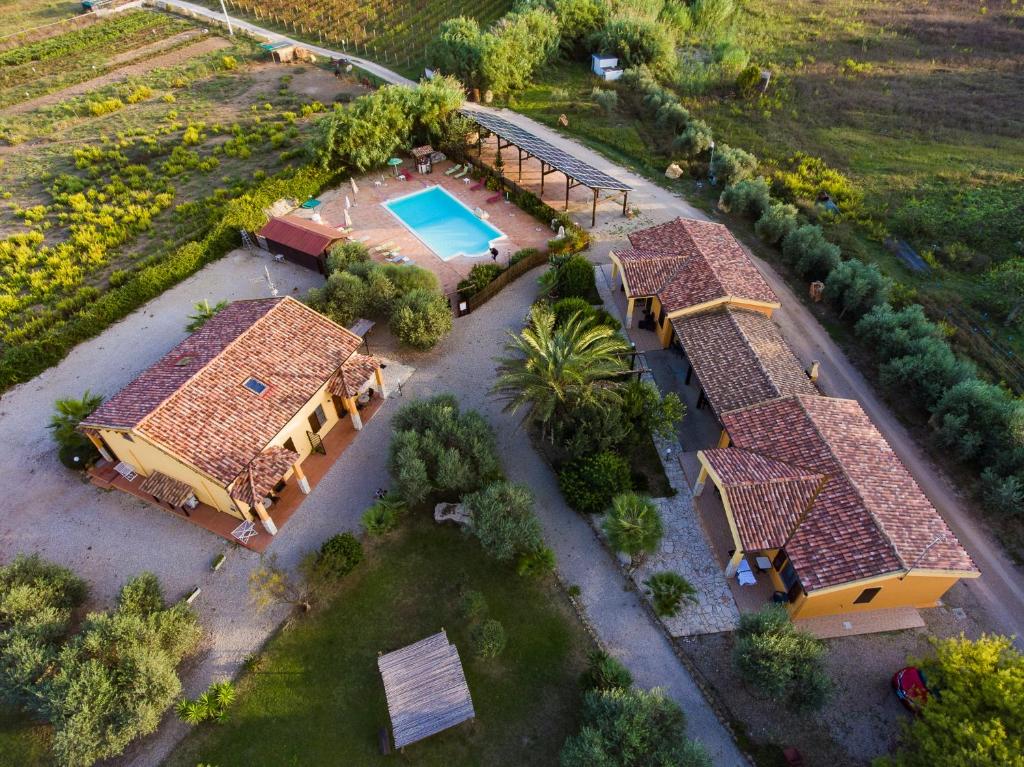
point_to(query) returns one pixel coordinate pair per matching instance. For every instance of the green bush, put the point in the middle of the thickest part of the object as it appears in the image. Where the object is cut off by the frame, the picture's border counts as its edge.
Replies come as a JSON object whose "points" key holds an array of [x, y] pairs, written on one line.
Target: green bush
{"points": [[633, 526], [566, 308], [339, 556], [473, 605], [421, 319], [627, 727], [438, 449], [522, 254], [605, 673], [211, 705], [68, 414], [345, 253], [479, 277], [637, 41], [536, 562], [749, 197], [731, 164], [776, 223], [578, 20], [922, 377], [748, 81], [811, 255], [342, 298], [889, 333], [982, 424], [589, 484], [141, 595], [668, 591], [855, 287], [382, 517], [695, 139], [1003, 495], [488, 639], [575, 278], [781, 661], [503, 520]]}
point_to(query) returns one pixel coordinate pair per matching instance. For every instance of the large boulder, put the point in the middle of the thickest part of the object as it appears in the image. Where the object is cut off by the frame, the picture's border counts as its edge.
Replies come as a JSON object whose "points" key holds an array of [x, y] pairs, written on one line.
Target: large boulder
{"points": [[673, 171]]}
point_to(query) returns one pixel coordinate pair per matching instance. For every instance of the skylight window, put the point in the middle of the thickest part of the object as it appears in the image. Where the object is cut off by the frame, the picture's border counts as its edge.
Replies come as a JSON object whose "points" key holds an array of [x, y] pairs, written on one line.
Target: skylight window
{"points": [[255, 385]]}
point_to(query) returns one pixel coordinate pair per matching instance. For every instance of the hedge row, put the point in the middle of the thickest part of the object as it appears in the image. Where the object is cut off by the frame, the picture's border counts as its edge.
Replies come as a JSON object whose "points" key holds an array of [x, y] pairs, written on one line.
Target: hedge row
{"points": [[21, 363]]}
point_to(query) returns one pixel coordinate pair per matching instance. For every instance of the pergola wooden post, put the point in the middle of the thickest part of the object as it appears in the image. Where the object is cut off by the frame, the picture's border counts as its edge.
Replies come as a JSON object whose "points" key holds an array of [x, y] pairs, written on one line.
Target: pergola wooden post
{"points": [[268, 523], [350, 406], [593, 212], [98, 444], [380, 381], [301, 477]]}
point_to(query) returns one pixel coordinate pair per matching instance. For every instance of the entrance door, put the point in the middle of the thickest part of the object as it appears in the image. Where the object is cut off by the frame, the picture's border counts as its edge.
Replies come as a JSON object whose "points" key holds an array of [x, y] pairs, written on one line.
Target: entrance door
{"points": [[339, 405]]}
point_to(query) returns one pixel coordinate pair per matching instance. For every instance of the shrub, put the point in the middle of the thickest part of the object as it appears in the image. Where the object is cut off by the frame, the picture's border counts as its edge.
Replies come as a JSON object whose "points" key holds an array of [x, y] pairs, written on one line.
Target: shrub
{"points": [[76, 450], [776, 223], [780, 661], [748, 81], [578, 20], [522, 254], [923, 376], [566, 308], [633, 526], [536, 563], [342, 298], [856, 287], [731, 164], [695, 139], [141, 595], [1003, 495], [605, 673], [981, 423], [339, 556], [631, 728], [488, 639], [749, 197], [479, 277], [345, 253], [473, 605], [605, 98], [421, 319], [503, 520], [211, 705], [637, 41], [104, 106], [889, 333], [436, 448], [382, 517], [575, 278], [589, 484], [811, 255], [668, 591]]}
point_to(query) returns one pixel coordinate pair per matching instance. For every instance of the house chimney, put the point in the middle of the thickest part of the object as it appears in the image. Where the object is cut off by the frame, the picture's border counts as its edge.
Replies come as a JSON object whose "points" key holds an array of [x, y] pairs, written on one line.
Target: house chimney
{"points": [[812, 371]]}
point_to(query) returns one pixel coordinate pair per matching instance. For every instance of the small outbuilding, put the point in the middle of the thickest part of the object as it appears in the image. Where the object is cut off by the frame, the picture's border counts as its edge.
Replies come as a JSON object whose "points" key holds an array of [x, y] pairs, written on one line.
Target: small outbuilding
{"points": [[299, 240], [425, 688], [606, 67]]}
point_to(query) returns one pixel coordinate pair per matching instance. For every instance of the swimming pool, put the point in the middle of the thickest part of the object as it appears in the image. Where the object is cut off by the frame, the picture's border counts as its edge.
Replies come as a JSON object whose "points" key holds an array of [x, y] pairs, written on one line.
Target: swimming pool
{"points": [[444, 224]]}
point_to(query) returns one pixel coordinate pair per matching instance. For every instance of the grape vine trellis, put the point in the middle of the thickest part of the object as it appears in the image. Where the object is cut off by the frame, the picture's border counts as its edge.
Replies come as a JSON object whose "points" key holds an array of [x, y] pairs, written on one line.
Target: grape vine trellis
{"points": [[396, 32]]}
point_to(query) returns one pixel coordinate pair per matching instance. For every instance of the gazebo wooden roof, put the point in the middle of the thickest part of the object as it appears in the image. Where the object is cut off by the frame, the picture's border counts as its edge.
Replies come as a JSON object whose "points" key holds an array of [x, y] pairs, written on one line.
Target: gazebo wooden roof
{"points": [[425, 688]]}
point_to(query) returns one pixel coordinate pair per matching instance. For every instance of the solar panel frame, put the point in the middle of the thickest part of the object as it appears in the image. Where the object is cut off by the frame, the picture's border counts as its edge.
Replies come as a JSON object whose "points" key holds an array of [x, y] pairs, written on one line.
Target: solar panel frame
{"points": [[574, 168]]}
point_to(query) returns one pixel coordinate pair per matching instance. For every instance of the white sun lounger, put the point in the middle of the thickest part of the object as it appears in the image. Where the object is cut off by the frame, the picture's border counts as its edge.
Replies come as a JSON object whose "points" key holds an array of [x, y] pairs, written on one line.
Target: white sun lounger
{"points": [[453, 170], [462, 172]]}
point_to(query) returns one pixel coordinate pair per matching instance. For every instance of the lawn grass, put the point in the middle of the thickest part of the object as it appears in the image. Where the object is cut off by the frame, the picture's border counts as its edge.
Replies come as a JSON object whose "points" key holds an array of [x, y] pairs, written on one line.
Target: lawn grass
{"points": [[23, 743], [317, 697], [19, 15]]}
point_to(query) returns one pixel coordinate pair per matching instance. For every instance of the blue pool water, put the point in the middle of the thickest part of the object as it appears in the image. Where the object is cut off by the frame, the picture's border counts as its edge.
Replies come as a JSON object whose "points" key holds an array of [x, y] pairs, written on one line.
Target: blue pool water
{"points": [[444, 224]]}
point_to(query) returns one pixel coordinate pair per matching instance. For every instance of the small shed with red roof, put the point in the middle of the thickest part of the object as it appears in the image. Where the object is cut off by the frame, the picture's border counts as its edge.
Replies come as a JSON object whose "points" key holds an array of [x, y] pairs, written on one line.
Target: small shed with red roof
{"points": [[300, 241]]}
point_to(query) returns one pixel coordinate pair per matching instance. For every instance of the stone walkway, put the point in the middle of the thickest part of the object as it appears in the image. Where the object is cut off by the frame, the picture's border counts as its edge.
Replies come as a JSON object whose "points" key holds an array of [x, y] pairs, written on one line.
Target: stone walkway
{"points": [[684, 548]]}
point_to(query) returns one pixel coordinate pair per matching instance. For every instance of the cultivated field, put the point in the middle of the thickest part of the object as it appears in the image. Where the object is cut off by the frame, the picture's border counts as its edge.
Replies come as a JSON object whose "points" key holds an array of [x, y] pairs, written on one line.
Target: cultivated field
{"points": [[109, 168]]}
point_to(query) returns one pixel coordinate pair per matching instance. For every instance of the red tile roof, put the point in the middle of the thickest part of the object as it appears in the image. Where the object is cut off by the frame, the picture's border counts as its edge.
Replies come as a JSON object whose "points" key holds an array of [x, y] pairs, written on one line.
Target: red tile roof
{"points": [[202, 414], [686, 263], [262, 473], [353, 374], [301, 234], [740, 358], [870, 517]]}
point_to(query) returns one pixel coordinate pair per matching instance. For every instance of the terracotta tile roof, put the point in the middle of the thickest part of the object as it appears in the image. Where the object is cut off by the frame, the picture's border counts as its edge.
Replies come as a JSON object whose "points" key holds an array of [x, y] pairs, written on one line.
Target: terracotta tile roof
{"points": [[301, 234], [869, 519], [262, 473], [353, 374], [207, 418], [686, 263], [167, 489], [740, 358]]}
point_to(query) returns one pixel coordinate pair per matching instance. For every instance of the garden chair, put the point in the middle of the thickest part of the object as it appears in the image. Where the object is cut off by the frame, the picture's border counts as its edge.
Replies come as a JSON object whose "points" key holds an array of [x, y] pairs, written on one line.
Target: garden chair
{"points": [[453, 170]]}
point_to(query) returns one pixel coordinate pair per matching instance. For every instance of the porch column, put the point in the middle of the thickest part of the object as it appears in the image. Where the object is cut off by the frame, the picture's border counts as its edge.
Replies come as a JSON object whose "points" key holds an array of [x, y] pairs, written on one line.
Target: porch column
{"points": [[303, 482], [379, 377], [698, 486], [615, 276], [350, 406], [268, 523], [629, 313], [734, 563], [98, 444]]}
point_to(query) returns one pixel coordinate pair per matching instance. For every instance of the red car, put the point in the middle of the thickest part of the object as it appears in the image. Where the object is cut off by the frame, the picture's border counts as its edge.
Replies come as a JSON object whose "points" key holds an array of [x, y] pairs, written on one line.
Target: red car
{"points": [[911, 688]]}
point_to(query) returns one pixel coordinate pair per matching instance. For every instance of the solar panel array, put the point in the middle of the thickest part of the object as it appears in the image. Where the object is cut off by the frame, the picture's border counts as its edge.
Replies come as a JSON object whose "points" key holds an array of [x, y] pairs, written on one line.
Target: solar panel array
{"points": [[586, 174]]}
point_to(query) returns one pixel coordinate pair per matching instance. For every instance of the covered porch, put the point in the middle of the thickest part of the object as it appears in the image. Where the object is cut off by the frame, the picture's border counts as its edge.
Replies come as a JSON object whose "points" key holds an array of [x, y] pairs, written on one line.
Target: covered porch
{"points": [[285, 497]]}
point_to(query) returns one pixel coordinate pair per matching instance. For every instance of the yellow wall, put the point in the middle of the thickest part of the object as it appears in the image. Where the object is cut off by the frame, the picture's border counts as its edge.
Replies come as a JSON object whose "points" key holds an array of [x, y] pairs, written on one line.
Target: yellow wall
{"points": [[919, 589], [145, 458]]}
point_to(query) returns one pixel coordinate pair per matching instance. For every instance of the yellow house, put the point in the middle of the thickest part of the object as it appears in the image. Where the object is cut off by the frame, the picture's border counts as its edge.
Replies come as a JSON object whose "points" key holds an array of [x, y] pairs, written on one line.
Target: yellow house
{"points": [[811, 487], [227, 419], [686, 267]]}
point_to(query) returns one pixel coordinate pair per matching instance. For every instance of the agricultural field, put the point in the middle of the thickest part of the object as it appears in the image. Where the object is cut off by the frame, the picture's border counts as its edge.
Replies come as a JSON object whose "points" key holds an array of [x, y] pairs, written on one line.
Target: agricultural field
{"points": [[106, 177], [395, 33], [21, 15]]}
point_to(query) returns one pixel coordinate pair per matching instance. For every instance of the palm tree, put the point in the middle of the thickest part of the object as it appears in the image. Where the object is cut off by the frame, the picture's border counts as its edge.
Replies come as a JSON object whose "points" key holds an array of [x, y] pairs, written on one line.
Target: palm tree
{"points": [[203, 312], [68, 413], [633, 526], [550, 371]]}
